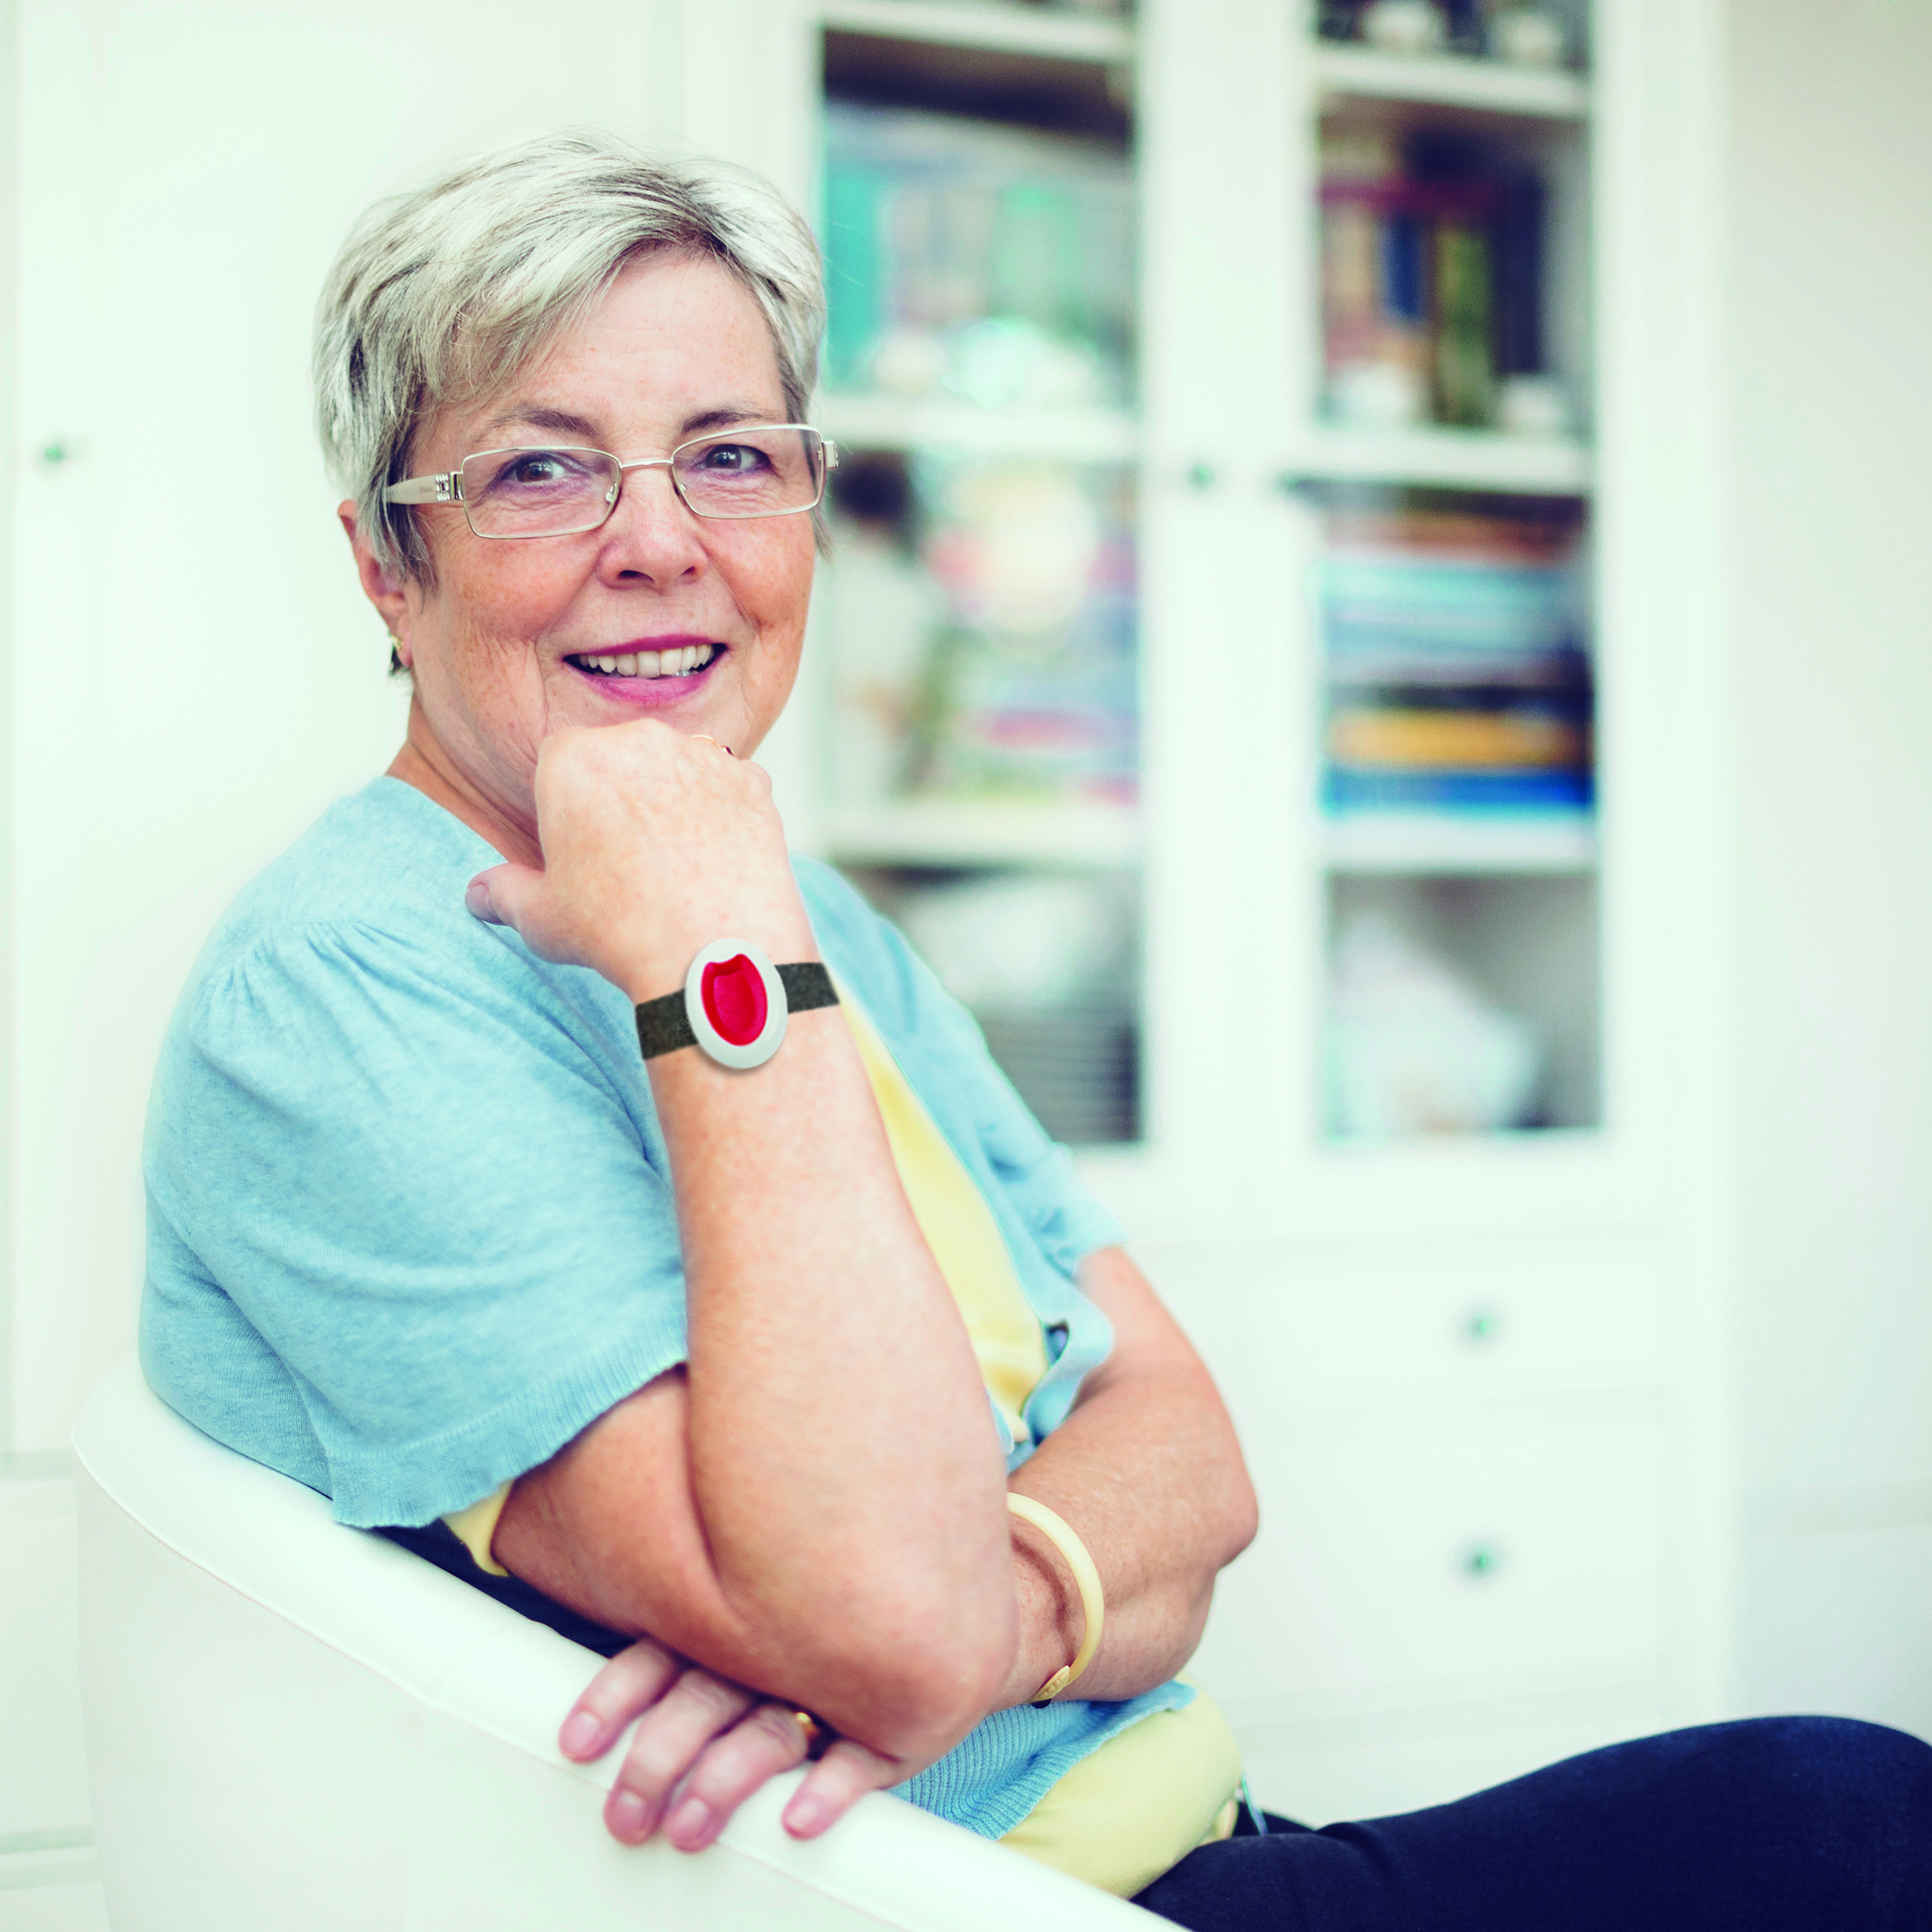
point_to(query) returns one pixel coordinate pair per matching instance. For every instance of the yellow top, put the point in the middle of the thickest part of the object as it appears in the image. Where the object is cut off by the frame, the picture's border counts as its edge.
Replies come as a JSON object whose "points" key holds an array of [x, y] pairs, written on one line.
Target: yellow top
{"points": [[1152, 1792], [960, 1230]]}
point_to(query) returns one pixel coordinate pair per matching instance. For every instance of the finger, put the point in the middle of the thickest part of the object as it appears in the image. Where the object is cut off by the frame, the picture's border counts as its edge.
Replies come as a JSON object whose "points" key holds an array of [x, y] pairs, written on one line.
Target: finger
{"points": [[768, 1741], [667, 1741], [631, 1682], [835, 1784], [501, 895]]}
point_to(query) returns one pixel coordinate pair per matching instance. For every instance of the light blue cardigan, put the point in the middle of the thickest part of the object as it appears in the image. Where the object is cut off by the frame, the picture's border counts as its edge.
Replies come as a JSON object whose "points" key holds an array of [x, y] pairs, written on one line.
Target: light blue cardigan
{"points": [[409, 1222]]}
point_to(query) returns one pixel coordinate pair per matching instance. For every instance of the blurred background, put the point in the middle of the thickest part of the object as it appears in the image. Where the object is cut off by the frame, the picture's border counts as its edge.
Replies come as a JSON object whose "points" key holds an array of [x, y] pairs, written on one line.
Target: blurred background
{"points": [[1377, 640]]}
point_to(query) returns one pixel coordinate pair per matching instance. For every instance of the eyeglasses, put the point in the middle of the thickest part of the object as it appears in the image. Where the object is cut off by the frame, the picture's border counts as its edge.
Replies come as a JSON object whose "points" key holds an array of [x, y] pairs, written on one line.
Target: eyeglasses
{"points": [[771, 469]]}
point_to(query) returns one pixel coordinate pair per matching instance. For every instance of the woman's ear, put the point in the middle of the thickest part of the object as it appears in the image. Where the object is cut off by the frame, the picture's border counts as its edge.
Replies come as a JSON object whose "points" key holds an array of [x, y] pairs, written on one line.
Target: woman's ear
{"points": [[381, 585]]}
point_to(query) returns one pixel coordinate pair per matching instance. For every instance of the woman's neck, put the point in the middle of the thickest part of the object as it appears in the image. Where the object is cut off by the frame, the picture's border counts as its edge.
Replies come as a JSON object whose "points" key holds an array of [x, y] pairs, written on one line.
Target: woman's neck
{"points": [[424, 762]]}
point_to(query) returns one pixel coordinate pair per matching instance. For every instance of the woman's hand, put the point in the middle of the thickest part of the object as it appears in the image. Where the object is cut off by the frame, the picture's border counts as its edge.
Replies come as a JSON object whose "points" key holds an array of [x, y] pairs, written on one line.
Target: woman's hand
{"points": [[655, 842], [704, 1745]]}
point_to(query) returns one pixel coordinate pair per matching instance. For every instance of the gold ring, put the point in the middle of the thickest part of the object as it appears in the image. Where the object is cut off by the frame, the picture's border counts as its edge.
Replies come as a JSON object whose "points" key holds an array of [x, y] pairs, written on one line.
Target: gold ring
{"points": [[816, 1736], [707, 739]]}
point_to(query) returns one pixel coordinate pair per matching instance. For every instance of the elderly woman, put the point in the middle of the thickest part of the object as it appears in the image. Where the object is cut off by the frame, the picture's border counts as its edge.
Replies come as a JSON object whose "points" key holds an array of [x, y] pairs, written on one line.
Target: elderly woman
{"points": [[559, 1177]]}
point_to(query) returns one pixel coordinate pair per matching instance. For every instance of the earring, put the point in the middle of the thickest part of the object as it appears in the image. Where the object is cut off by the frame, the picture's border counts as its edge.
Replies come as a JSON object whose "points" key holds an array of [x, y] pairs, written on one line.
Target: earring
{"points": [[395, 664]]}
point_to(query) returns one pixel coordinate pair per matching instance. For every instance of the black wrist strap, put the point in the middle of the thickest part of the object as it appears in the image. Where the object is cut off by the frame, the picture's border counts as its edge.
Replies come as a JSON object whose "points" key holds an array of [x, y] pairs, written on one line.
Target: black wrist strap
{"points": [[664, 1025]]}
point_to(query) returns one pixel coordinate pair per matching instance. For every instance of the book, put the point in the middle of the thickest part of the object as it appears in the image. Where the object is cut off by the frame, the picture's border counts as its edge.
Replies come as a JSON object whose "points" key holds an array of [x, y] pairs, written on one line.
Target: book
{"points": [[966, 258], [1432, 259], [1457, 649]]}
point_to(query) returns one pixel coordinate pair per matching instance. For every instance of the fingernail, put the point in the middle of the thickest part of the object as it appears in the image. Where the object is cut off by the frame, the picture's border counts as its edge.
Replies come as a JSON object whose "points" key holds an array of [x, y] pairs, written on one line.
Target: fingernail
{"points": [[581, 1730], [629, 1816], [806, 1815], [688, 1824], [476, 896]]}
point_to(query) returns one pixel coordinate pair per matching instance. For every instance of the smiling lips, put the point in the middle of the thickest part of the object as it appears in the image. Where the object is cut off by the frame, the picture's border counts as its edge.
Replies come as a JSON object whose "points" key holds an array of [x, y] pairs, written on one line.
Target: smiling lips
{"points": [[676, 663]]}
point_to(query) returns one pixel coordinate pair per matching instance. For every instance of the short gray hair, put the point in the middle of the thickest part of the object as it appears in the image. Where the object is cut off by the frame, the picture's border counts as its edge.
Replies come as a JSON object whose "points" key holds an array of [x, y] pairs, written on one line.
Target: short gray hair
{"points": [[447, 292]]}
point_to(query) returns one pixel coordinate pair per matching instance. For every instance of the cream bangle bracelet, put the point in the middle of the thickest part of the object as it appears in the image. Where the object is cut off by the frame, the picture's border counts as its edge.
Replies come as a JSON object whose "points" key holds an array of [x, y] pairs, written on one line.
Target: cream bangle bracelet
{"points": [[1092, 1599]]}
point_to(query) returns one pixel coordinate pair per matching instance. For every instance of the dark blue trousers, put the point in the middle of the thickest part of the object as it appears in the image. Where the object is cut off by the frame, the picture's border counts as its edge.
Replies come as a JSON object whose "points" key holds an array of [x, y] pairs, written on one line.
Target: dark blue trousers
{"points": [[1779, 1824]]}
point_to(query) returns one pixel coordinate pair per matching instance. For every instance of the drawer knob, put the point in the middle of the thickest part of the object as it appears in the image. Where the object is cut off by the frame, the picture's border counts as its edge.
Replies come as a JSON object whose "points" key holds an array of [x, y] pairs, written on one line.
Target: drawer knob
{"points": [[1481, 1326], [1479, 1561]]}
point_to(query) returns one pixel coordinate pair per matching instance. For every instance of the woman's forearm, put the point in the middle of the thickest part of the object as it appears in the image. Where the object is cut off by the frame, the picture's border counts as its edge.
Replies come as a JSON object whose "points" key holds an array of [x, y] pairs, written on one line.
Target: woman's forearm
{"points": [[1147, 1471], [840, 1499], [842, 1462]]}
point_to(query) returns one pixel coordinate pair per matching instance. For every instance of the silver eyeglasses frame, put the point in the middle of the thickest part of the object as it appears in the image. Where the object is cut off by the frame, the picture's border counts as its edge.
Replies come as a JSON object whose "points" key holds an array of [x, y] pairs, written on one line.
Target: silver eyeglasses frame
{"points": [[447, 486]]}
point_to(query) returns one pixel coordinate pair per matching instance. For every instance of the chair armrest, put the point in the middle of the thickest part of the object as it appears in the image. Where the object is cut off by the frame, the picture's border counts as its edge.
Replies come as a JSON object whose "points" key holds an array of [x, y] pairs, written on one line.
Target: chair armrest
{"points": [[501, 1828]]}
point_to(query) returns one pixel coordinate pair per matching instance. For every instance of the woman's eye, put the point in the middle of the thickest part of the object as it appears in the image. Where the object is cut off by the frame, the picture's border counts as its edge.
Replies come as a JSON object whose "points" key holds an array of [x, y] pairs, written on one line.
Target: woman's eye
{"points": [[533, 471], [528, 473], [733, 459]]}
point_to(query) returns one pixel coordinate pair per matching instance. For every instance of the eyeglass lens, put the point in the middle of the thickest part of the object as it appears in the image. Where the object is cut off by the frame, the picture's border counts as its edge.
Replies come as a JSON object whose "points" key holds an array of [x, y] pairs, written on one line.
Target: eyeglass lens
{"points": [[550, 492]]}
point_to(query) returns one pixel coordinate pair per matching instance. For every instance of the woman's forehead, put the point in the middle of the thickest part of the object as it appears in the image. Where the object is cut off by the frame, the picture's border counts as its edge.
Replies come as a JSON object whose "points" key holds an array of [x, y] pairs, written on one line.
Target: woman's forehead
{"points": [[677, 347]]}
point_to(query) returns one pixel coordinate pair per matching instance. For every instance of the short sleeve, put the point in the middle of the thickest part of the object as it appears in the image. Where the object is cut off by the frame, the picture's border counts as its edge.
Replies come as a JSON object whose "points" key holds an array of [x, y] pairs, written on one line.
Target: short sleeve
{"points": [[416, 1173]]}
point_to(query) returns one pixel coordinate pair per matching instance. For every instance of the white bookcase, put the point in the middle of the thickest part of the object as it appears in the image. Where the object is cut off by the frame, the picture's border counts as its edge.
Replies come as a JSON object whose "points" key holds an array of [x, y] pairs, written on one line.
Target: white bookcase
{"points": [[1478, 1376]]}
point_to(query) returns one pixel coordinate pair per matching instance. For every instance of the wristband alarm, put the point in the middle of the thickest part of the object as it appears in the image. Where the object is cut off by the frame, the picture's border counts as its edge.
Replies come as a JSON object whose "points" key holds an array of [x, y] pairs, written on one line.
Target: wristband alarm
{"points": [[734, 1005]]}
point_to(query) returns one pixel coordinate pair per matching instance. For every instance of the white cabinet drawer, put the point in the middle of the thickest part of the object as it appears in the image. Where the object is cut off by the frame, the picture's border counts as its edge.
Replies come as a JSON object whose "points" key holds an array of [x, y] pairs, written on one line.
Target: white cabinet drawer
{"points": [[1401, 1564], [1421, 1327]]}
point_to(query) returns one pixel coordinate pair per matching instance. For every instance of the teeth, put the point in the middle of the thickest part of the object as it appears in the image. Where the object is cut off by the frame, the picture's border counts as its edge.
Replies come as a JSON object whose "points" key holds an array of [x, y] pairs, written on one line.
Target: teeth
{"points": [[654, 664]]}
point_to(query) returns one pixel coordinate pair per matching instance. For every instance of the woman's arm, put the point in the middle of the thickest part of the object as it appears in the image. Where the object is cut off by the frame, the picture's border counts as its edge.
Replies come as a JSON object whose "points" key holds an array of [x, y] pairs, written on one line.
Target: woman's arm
{"points": [[1146, 1469], [815, 1508], [1148, 1472]]}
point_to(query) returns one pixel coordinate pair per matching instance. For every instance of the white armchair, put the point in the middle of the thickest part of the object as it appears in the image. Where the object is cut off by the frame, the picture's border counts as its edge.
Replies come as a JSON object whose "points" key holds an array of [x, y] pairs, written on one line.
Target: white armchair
{"points": [[296, 1725]]}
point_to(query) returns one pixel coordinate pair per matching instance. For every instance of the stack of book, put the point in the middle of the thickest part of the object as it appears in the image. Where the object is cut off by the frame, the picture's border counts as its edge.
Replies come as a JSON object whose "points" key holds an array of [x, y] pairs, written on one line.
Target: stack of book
{"points": [[965, 260], [1432, 285], [1458, 663]]}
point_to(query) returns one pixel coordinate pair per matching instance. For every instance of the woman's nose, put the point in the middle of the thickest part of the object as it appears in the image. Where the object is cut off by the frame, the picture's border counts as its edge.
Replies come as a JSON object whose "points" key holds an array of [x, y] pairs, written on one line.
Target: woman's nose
{"points": [[651, 532]]}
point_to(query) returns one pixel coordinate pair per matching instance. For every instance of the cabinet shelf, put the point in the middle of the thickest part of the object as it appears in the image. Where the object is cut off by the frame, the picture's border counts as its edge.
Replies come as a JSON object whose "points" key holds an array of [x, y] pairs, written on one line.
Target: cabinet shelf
{"points": [[1416, 843], [1455, 459], [949, 833], [1451, 80], [985, 24], [891, 422]]}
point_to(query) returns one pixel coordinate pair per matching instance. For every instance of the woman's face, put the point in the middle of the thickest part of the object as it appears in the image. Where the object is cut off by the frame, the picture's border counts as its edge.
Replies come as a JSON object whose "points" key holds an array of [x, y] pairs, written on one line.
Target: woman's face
{"points": [[503, 647]]}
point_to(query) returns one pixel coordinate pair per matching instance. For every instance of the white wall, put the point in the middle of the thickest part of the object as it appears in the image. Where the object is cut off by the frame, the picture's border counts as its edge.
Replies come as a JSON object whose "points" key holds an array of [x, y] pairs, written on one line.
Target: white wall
{"points": [[191, 673], [1830, 493], [194, 674]]}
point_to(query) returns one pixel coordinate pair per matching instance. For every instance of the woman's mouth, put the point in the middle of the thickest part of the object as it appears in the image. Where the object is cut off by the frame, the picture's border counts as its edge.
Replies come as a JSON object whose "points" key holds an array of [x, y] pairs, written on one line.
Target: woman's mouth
{"points": [[679, 662]]}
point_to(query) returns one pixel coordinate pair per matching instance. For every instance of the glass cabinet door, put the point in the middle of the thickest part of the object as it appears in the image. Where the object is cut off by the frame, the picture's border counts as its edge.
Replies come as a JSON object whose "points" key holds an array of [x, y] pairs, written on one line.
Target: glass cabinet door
{"points": [[1448, 471], [981, 748]]}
